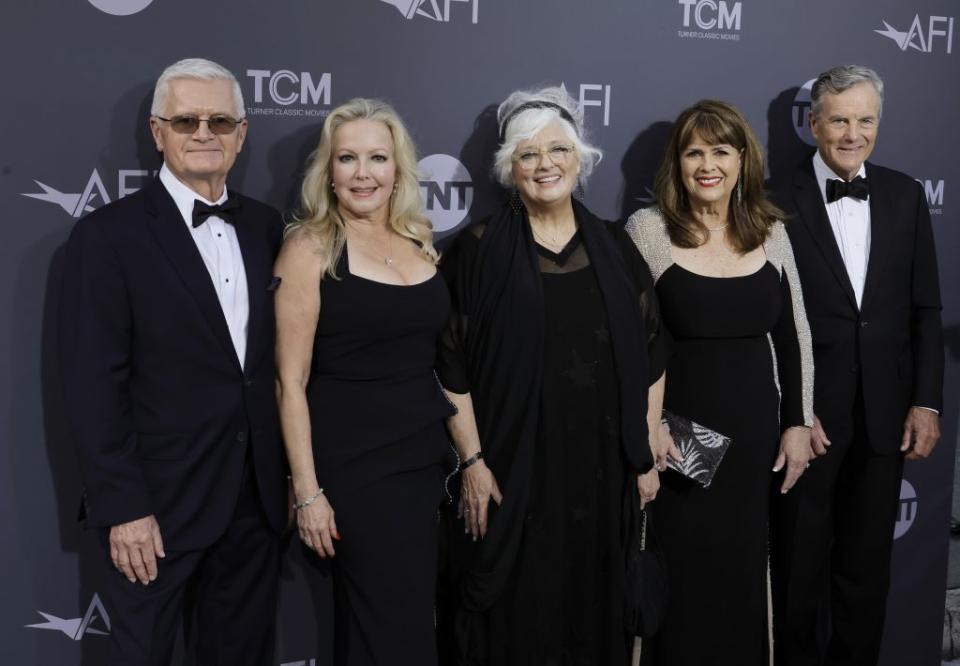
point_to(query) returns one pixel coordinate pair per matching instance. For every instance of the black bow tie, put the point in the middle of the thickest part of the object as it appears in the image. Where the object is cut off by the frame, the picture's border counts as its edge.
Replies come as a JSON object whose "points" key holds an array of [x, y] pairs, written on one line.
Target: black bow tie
{"points": [[856, 188], [225, 211]]}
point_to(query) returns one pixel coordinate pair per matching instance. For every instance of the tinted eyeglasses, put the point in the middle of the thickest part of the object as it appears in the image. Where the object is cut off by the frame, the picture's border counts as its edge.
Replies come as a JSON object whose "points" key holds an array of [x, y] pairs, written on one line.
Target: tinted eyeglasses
{"points": [[219, 124]]}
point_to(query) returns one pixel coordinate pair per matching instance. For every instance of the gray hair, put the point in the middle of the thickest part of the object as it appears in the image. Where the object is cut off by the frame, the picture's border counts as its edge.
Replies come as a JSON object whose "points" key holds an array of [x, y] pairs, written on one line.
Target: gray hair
{"points": [[840, 78], [194, 68], [530, 122]]}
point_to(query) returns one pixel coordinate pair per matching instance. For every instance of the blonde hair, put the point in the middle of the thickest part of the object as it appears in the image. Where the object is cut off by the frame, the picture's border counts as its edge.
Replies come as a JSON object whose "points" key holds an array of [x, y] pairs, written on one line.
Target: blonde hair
{"points": [[318, 215]]}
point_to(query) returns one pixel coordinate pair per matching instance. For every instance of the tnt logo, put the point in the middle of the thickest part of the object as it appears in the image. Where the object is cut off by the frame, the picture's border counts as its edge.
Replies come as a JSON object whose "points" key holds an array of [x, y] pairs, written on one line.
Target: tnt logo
{"points": [[431, 9], [937, 33], [94, 193], [287, 93], [94, 621], [447, 190], [800, 113], [121, 7], [711, 14], [594, 95], [909, 505], [933, 189]]}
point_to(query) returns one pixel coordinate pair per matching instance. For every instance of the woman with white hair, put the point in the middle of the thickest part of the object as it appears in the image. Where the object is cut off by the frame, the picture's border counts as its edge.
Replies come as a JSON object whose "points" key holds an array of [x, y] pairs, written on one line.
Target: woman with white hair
{"points": [[552, 359]]}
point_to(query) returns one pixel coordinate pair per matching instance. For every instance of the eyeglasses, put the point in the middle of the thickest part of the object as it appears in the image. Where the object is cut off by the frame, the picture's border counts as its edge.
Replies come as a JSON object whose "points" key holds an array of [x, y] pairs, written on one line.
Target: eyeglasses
{"points": [[219, 124], [529, 158]]}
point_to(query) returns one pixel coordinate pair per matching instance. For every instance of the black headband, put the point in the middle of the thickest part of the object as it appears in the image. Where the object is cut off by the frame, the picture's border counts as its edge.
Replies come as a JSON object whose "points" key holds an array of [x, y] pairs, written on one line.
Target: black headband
{"points": [[537, 104]]}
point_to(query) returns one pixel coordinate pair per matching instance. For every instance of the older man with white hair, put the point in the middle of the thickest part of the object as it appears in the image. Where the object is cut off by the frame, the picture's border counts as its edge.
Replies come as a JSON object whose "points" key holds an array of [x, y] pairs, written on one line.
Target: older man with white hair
{"points": [[864, 246], [167, 363]]}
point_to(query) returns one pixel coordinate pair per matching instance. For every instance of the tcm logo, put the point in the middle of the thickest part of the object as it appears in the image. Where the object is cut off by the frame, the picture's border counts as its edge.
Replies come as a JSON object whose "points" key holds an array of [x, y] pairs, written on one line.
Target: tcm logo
{"points": [[713, 19], [302, 662], [800, 113], [287, 93], [594, 95], [432, 9], [94, 193], [95, 621], [934, 191], [935, 35], [121, 7], [909, 505], [447, 189]]}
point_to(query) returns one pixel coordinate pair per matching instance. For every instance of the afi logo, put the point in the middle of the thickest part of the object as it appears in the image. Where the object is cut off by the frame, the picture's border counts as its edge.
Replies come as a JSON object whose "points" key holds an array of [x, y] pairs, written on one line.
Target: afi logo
{"points": [[94, 193], [594, 95], [76, 628], [800, 113], [909, 505], [447, 190], [432, 8], [285, 87], [711, 14], [938, 29], [121, 7]]}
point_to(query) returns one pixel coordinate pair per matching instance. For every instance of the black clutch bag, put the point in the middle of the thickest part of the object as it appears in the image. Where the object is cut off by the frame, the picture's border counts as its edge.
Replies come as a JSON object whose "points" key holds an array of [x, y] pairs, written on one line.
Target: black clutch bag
{"points": [[647, 589], [702, 448]]}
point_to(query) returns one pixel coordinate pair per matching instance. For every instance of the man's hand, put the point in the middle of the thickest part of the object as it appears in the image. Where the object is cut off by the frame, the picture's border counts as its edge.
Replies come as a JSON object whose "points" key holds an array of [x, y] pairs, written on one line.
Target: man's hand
{"points": [[818, 438], [921, 431], [135, 547]]}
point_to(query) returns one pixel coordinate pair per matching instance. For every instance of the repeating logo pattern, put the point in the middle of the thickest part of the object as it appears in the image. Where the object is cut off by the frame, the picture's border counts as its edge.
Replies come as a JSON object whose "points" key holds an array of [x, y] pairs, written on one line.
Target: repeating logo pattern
{"points": [[593, 96], [909, 506], [934, 191], [121, 7], [94, 194], [435, 10], [800, 113]]}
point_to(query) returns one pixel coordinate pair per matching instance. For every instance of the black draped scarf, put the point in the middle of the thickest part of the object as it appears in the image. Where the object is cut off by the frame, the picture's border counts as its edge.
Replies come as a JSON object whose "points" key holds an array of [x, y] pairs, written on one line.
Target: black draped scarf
{"points": [[499, 329]]}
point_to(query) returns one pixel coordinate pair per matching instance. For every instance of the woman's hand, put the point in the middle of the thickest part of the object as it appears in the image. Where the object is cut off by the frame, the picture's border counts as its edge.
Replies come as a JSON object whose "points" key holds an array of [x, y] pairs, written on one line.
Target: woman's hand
{"points": [[648, 485], [317, 527], [796, 452], [662, 446], [477, 488]]}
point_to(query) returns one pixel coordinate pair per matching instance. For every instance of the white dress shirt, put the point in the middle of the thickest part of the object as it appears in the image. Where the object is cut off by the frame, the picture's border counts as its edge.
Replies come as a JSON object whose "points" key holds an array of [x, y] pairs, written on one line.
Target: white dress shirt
{"points": [[217, 242], [850, 221]]}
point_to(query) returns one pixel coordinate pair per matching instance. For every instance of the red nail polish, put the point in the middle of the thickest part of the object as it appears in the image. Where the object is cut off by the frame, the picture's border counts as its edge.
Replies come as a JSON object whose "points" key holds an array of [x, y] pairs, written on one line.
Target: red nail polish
{"points": [[336, 535]]}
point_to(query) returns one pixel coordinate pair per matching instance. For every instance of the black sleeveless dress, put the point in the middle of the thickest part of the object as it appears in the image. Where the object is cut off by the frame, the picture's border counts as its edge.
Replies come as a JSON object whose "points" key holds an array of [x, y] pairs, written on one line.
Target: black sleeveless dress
{"points": [[377, 419]]}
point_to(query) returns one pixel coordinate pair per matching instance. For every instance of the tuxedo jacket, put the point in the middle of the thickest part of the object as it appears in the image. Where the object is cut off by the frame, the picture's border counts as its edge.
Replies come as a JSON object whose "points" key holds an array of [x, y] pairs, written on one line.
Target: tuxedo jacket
{"points": [[161, 412], [891, 347]]}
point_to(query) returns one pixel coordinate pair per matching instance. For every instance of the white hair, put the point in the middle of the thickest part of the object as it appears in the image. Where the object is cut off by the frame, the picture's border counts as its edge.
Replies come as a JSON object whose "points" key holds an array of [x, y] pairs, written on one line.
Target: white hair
{"points": [[194, 68], [529, 122], [843, 77]]}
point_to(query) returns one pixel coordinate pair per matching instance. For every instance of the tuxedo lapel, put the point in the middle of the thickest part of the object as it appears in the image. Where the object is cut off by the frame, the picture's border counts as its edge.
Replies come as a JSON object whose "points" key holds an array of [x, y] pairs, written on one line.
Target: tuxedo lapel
{"points": [[256, 264], [813, 213], [881, 203], [168, 227]]}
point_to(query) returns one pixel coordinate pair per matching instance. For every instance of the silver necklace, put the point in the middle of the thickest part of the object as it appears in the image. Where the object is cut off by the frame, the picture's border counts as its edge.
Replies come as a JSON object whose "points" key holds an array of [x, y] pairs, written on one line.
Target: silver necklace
{"points": [[556, 238]]}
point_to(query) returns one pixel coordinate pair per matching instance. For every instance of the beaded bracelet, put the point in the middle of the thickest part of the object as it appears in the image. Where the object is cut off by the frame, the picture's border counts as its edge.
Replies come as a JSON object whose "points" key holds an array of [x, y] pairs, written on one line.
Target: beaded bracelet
{"points": [[475, 458], [307, 502]]}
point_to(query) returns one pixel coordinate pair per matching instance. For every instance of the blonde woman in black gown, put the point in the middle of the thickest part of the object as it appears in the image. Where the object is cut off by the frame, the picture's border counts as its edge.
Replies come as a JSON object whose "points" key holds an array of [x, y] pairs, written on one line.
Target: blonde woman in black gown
{"points": [[740, 364]]}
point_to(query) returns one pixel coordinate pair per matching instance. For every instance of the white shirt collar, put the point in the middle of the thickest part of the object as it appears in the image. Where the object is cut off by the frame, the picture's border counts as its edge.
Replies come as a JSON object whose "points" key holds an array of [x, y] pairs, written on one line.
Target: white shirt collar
{"points": [[825, 173], [183, 196]]}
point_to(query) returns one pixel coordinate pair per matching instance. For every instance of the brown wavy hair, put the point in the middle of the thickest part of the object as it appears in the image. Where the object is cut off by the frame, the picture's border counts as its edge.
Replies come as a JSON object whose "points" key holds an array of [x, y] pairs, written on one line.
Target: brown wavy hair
{"points": [[749, 218]]}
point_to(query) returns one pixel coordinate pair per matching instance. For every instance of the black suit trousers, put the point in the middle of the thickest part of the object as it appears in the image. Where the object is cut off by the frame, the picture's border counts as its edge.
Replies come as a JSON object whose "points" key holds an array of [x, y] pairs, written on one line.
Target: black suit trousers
{"points": [[832, 542], [228, 589]]}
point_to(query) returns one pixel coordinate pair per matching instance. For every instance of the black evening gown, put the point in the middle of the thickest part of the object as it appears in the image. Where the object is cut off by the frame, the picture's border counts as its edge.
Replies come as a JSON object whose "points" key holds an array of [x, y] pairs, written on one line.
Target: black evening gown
{"points": [[564, 599], [721, 374], [377, 418]]}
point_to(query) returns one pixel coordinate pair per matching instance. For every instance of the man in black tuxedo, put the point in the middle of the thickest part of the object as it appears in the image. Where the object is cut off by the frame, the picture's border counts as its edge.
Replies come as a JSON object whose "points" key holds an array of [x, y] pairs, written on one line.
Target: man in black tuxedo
{"points": [[167, 359], [864, 248]]}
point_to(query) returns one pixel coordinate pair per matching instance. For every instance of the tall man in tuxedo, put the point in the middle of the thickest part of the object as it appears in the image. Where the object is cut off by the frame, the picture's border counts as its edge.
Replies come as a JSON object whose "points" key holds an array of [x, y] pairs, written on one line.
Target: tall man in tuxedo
{"points": [[167, 362], [864, 248]]}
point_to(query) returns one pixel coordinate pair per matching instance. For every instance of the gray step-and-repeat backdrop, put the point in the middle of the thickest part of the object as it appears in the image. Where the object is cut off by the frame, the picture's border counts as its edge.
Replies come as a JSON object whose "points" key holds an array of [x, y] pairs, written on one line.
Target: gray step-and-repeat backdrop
{"points": [[79, 75]]}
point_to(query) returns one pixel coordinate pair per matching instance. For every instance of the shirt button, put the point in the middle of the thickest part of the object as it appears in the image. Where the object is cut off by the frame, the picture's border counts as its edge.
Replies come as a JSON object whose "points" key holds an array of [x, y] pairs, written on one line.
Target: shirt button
{"points": [[228, 279]]}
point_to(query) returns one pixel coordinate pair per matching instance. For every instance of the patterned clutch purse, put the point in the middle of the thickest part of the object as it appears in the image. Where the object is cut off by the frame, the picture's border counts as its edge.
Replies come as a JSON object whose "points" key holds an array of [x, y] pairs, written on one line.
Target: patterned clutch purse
{"points": [[701, 447]]}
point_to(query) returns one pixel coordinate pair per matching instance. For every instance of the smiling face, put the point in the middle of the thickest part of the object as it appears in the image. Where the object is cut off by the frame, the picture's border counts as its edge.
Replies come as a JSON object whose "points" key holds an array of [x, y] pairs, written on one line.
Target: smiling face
{"points": [[363, 168], [202, 159], [709, 172], [846, 128], [545, 167]]}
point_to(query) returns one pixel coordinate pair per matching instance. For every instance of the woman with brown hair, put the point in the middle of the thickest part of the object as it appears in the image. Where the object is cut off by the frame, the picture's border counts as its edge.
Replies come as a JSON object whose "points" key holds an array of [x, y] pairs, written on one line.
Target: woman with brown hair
{"points": [[741, 365]]}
